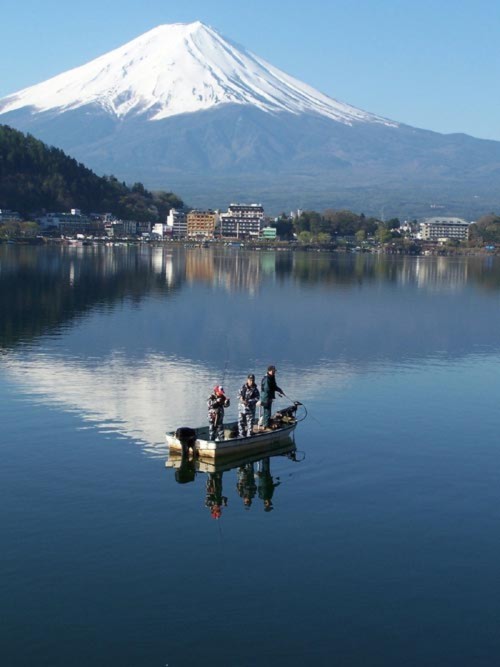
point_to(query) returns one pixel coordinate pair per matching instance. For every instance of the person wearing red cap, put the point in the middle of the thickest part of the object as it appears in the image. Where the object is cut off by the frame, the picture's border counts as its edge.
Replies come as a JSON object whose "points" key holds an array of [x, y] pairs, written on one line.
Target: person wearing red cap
{"points": [[216, 403]]}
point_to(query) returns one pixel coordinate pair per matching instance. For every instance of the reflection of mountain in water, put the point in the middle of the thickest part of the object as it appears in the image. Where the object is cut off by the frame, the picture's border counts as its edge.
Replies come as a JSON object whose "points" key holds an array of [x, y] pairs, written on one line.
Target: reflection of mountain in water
{"points": [[143, 398], [159, 326]]}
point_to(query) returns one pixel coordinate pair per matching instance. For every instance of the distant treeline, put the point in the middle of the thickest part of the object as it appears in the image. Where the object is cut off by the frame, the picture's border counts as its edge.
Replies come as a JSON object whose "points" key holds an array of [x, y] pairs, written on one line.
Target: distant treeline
{"points": [[486, 229], [35, 177], [331, 224]]}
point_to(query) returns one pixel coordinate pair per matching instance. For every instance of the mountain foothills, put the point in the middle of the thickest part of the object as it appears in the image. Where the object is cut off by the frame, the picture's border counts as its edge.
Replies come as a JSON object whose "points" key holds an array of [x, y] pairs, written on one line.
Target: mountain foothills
{"points": [[182, 105], [36, 177]]}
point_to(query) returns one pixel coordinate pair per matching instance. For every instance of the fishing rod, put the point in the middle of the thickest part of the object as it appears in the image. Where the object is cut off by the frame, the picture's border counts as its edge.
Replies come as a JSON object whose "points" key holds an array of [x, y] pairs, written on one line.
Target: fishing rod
{"points": [[307, 413], [226, 363]]}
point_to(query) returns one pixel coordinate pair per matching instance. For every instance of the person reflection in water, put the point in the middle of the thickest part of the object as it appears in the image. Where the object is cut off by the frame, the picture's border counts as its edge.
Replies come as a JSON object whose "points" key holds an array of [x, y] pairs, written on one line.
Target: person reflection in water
{"points": [[215, 501], [246, 484], [266, 483]]}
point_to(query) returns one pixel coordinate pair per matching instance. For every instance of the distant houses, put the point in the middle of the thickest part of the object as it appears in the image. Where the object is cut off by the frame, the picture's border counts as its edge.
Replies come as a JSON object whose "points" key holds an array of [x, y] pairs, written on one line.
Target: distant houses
{"points": [[246, 222], [240, 221], [9, 216], [76, 223]]}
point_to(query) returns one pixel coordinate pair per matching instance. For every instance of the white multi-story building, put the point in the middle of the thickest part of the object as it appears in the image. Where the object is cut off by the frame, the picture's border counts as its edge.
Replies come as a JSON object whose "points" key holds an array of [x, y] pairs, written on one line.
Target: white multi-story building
{"points": [[436, 229], [70, 223], [177, 223], [242, 220], [161, 229]]}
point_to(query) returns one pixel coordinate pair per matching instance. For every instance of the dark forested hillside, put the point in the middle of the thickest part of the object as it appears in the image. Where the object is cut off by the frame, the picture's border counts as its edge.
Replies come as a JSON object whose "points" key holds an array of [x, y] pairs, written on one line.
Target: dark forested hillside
{"points": [[36, 177]]}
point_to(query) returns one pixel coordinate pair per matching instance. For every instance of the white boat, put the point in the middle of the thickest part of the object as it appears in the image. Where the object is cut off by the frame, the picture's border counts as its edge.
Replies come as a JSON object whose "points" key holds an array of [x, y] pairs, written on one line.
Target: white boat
{"points": [[283, 424], [285, 448]]}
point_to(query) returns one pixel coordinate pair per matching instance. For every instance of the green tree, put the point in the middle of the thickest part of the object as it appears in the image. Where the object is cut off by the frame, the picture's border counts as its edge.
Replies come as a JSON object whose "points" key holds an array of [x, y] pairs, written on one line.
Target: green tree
{"points": [[383, 235], [323, 237], [284, 229], [360, 236], [393, 223]]}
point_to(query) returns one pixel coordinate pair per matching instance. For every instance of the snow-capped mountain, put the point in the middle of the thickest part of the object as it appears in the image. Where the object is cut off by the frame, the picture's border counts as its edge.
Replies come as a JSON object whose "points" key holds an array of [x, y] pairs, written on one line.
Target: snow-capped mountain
{"points": [[176, 69], [184, 109]]}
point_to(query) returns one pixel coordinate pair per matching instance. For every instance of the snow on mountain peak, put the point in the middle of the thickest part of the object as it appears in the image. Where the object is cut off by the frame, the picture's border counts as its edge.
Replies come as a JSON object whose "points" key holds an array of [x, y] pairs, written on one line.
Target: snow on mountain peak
{"points": [[175, 69]]}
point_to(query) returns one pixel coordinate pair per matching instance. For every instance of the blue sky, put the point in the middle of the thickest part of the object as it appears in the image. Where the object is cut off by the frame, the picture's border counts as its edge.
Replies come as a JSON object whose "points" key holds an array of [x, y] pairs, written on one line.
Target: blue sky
{"points": [[432, 65]]}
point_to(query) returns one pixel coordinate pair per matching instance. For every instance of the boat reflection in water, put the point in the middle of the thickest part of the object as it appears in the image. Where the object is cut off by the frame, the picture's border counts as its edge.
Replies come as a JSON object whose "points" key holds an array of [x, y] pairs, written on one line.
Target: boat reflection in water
{"points": [[253, 476]]}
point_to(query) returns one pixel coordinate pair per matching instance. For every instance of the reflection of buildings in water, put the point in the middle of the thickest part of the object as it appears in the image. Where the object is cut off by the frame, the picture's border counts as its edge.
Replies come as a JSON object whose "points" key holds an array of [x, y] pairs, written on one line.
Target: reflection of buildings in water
{"points": [[164, 262], [199, 265], [239, 270], [235, 269], [441, 272], [268, 263], [254, 479]]}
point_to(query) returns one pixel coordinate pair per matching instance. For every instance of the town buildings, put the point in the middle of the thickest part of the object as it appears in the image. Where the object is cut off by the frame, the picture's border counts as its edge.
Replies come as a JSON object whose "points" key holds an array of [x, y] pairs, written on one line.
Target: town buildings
{"points": [[201, 224], [444, 229], [242, 221], [176, 224], [9, 216]]}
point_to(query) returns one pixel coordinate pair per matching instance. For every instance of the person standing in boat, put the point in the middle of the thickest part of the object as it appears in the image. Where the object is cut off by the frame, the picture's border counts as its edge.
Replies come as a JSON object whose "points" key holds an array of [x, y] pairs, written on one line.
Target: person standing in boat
{"points": [[248, 397], [216, 403], [268, 390]]}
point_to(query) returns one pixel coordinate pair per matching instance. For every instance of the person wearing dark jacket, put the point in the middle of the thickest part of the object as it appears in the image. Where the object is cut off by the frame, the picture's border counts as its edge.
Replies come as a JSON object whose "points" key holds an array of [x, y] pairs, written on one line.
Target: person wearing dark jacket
{"points": [[268, 390]]}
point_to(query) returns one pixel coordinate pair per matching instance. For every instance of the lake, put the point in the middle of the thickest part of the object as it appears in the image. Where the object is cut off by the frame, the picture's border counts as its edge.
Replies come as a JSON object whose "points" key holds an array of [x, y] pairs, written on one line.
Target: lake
{"points": [[376, 543]]}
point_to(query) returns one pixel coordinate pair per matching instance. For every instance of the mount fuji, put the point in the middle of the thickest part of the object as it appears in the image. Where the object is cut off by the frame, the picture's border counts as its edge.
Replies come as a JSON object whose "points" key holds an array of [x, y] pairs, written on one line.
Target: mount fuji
{"points": [[183, 108]]}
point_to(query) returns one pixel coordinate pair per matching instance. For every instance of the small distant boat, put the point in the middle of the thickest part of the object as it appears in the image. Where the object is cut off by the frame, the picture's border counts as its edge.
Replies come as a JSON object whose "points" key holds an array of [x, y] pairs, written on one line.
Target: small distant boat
{"points": [[282, 427]]}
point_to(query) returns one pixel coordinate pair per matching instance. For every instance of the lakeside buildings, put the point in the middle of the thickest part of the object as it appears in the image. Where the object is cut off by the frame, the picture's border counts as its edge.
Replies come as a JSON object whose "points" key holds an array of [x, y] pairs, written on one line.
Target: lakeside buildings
{"points": [[177, 223], [202, 224], [444, 229], [9, 216], [242, 221]]}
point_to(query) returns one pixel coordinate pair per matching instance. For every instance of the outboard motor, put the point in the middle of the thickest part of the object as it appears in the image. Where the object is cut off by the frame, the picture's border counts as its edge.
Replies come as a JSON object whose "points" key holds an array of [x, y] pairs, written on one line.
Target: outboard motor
{"points": [[187, 438]]}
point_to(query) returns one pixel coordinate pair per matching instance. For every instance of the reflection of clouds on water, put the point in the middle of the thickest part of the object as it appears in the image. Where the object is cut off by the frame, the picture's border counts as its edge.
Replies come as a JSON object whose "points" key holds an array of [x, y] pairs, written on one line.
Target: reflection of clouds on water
{"points": [[136, 400], [143, 399]]}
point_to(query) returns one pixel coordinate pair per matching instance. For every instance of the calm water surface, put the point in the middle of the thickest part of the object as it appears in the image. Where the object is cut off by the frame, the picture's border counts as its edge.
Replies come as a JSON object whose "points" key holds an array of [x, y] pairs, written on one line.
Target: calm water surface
{"points": [[383, 541]]}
